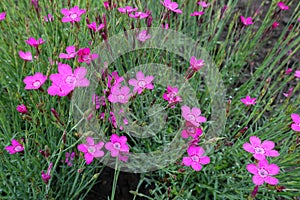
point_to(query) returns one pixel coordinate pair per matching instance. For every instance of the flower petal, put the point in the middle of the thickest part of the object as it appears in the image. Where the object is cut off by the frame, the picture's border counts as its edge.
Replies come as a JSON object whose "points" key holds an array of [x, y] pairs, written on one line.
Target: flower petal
{"points": [[252, 168], [255, 141], [257, 180]]}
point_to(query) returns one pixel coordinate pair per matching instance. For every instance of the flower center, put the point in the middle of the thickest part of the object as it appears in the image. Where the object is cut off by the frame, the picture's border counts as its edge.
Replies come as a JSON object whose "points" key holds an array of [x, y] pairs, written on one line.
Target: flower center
{"points": [[141, 84], [91, 149], [18, 148], [70, 80], [259, 150], [121, 97], [191, 117], [263, 173], [73, 16], [36, 84], [117, 145], [195, 158], [191, 129]]}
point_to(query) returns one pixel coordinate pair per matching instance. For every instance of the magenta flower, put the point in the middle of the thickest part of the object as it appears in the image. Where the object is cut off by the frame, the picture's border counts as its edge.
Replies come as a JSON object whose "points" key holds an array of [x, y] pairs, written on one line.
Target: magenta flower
{"points": [[197, 13], [93, 26], [35, 43], [27, 56], [171, 95], [288, 71], [22, 109], [141, 82], [140, 15], [34, 82], [282, 6], [203, 4], [296, 119], [192, 115], [171, 6], [289, 93], [117, 146], [71, 53], [195, 158], [127, 9], [191, 131], [119, 95], [248, 101], [114, 79], [143, 36], [196, 64], [297, 73], [48, 18], [2, 16], [85, 56], [15, 147], [275, 25], [46, 177], [72, 15], [260, 150], [263, 172], [65, 81], [91, 150], [246, 21]]}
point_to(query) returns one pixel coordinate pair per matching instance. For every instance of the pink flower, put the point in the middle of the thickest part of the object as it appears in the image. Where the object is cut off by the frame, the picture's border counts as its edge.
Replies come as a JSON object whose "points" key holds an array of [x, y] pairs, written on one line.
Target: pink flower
{"points": [[72, 15], [296, 119], [197, 13], [22, 109], [46, 177], [65, 81], [93, 26], [48, 18], [165, 26], [171, 6], [248, 101], [191, 131], [106, 5], [195, 158], [117, 146], [275, 25], [85, 56], [127, 9], [15, 147], [119, 95], [203, 4], [289, 93], [143, 36], [140, 15], [35, 43], [71, 53], [193, 116], [34, 82], [288, 71], [263, 172], [260, 150], [91, 150], [141, 82], [2, 16], [114, 79], [246, 21], [297, 73], [196, 64], [25, 55], [171, 95], [282, 6], [69, 158]]}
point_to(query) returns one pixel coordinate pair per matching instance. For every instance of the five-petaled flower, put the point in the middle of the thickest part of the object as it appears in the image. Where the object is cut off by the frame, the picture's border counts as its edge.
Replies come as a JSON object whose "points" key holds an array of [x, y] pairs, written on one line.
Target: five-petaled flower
{"points": [[46, 177], [15, 147], [282, 6], [263, 172], [91, 150], [117, 146], [196, 64], [22, 109], [246, 21], [34, 82], [143, 36], [71, 53], [192, 115], [119, 94], [72, 15], [27, 56], [191, 131], [172, 95], [203, 4], [140, 15], [2, 16], [93, 26], [35, 43], [296, 119], [260, 150], [127, 9], [84, 55], [173, 6], [141, 82], [195, 158], [248, 101], [196, 13]]}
